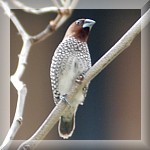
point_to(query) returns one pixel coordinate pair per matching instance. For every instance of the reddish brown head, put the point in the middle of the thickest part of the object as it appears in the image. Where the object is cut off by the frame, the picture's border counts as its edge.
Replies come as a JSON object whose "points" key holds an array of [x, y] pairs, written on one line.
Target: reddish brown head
{"points": [[80, 29]]}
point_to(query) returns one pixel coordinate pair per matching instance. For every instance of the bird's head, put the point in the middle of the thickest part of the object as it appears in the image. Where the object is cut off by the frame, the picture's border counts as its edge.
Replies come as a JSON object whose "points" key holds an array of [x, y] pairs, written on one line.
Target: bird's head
{"points": [[80, 29]]}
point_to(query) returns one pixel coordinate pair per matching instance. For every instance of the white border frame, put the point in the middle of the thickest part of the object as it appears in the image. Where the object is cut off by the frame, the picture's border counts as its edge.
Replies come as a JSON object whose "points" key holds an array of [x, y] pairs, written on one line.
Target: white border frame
{"points": [[142, 144]]}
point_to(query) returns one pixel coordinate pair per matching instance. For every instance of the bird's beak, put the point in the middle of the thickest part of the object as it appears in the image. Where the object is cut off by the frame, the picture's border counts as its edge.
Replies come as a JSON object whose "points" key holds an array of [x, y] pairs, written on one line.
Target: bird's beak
{"points": [[88, 23]]}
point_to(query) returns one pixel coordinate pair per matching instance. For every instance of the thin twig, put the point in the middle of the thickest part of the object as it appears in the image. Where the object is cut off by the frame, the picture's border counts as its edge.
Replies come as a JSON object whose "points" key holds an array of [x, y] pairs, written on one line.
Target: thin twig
{"points": [[119, 47]]}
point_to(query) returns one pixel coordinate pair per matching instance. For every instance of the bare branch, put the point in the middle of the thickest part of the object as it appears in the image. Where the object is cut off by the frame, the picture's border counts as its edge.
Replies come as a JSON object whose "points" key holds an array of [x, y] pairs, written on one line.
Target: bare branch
{"points": [[15, 79], [52, 26], [119, 47], [63, 15]]}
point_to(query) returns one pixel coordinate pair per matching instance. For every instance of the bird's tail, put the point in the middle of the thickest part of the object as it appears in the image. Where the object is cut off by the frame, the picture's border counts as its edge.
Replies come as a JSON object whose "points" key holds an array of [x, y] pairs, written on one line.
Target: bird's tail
{"points": [[66, 127]]}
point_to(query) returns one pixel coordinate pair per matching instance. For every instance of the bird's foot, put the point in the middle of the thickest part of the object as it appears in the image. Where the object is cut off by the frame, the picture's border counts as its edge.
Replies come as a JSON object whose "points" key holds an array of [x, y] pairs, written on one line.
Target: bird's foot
{"points": [[56, 102], [64, 99], [80, 78]]}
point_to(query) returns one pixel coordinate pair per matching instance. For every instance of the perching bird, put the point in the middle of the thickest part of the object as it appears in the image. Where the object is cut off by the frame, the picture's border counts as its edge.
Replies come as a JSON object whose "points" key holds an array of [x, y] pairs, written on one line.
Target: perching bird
{"points": [[71, 58]]}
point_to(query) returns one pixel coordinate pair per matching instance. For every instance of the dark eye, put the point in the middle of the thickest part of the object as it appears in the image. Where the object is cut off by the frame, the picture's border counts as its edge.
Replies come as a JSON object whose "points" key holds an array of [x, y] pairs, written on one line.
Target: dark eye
{"points": [[79, 22]]}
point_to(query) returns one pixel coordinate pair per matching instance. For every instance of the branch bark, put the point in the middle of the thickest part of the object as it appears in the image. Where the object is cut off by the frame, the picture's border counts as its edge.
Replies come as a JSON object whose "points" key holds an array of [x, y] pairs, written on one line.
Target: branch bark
{"points": [[104, 61]]}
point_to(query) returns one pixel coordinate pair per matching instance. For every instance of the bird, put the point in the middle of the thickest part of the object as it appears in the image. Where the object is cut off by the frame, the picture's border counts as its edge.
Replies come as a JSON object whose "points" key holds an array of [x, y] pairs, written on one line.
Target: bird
{"points": [[70, 60]]}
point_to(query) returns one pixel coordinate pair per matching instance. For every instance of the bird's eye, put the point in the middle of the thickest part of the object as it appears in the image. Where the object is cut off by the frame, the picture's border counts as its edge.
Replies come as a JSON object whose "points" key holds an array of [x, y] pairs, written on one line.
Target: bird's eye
{"points": [[79, 22]]}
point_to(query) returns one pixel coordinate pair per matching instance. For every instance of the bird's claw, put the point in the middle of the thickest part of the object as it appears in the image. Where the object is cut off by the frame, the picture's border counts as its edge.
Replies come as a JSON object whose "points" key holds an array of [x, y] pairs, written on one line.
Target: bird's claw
{"points": [[56, 101], [64, 99], [80, 78]]}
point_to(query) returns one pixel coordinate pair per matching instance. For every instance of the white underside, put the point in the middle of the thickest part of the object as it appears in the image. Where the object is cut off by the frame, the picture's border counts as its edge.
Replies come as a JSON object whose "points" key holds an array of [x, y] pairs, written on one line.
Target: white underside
{"points": [[68, 77]]}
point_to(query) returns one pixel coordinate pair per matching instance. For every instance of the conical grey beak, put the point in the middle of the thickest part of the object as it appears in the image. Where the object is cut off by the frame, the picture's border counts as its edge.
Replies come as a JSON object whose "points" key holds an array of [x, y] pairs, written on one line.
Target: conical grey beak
{"points": [[88, 23]]}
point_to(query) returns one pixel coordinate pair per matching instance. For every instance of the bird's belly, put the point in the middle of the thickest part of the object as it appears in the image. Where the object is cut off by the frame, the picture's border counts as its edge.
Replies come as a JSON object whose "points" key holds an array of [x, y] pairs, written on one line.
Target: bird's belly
{"points": [[68, 76], [65, 82]]}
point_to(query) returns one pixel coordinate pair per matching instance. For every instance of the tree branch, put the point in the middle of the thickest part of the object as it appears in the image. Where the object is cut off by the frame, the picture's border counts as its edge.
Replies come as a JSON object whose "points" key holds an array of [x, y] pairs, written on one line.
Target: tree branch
{"points": [[15, 79], [63, 15], [104, 61]]}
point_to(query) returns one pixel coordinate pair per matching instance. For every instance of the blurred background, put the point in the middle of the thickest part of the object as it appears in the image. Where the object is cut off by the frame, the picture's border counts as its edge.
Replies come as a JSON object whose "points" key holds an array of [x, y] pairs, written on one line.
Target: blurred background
{"points": [[112, 108]]}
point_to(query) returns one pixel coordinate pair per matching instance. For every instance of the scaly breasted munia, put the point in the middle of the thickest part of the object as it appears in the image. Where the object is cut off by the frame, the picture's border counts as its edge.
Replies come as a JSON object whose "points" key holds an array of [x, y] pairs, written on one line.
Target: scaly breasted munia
{"points": [[71, 58]]}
